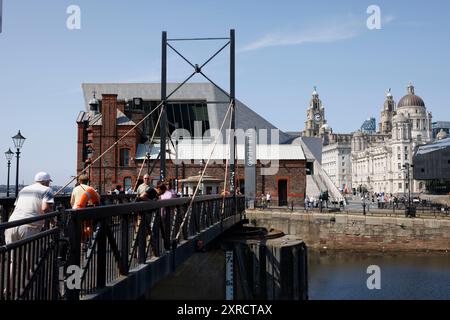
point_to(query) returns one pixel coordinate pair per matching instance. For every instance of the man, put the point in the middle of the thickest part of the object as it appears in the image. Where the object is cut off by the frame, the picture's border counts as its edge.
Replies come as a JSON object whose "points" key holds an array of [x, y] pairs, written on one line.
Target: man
{"points": [[32, 201], [268, 198], [83, 195], [143, 186], [151, 194]]}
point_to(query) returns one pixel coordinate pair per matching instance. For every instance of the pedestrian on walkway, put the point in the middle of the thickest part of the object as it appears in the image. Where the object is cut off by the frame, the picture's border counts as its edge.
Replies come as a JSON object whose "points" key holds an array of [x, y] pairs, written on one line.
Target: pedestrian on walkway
{"points": [[268, 198], [83, 195], [144, 185], [32, 201]]}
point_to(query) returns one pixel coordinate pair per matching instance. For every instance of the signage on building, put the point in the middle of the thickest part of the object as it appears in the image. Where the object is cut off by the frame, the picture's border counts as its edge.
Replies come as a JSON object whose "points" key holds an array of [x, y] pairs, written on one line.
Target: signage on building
{"points": [[250, 167]]}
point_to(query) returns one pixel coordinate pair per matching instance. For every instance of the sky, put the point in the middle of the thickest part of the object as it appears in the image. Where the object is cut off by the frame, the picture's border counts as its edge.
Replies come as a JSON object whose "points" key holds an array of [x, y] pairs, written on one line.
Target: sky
{"points": [[283, 49]]}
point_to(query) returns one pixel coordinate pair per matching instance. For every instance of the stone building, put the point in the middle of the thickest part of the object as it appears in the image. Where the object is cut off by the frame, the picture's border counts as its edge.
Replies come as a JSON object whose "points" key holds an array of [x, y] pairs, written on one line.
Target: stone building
{"points": [[336, 150], [380, 161], [198, 109]]}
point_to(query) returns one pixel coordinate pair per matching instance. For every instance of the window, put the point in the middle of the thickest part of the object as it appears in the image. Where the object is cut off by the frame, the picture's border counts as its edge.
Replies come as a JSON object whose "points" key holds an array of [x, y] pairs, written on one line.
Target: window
{"points": [[399, 166], [406, 156], [127, 183], [186, 114], [343, 170], [399, 185], [343, 164], [399, 156], [124, 160]]}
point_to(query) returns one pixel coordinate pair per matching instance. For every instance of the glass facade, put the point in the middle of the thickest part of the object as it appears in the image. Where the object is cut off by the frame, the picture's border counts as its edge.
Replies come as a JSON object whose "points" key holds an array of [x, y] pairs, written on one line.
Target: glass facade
{"points": [[182, 114]]}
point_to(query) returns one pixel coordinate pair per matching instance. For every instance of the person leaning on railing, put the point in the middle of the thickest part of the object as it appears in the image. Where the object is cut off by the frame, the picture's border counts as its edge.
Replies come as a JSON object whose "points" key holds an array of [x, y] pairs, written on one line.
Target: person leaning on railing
{"points": [[84, 195], [32, 201]]}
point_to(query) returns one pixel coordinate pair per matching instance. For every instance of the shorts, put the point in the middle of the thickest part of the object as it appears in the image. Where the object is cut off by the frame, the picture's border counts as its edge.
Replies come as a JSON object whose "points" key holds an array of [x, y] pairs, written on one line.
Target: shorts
{"points": [[20, 232]]}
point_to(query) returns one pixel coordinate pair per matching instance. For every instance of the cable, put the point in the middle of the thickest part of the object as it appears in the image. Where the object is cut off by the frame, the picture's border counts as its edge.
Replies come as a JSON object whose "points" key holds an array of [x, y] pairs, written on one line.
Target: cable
{"points": [[203, 173], [107, 150]]}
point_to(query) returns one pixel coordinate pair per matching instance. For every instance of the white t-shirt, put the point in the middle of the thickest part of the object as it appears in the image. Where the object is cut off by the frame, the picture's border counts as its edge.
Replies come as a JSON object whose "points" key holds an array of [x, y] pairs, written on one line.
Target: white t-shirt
{"points": [[29, 201]]}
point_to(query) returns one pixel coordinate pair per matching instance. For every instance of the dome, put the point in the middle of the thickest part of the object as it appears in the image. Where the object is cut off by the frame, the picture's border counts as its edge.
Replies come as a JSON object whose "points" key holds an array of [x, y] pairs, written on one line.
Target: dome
{"points": [[389, 94], [411, 100], [442, 135], [93, 101]]}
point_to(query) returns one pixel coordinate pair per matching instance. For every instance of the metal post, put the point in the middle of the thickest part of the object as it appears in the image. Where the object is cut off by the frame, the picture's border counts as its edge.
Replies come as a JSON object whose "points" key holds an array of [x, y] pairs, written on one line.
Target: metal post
{"points": [[17, 172], [176, 161], [7, 184], [233, 114], [148, 162], [163, 124]]}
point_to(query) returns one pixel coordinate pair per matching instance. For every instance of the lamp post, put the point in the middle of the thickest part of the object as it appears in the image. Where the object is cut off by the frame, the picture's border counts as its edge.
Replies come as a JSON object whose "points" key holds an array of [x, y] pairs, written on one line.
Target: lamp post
{"points": [[18, 140], [9, 155]]}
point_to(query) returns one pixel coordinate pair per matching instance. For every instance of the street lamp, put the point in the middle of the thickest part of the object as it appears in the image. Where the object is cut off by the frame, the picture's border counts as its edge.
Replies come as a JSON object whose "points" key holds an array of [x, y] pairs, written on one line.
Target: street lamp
{"points": [[18, 140], [9, 155]]}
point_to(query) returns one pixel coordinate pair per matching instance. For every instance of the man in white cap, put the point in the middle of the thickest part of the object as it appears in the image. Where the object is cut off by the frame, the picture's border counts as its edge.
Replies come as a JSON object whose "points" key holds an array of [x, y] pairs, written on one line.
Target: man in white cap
{"points": [[33, 200]]}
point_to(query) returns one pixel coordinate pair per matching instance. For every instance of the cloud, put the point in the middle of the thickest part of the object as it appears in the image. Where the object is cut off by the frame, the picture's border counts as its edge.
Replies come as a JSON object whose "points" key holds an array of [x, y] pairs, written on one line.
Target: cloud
{"points": [[329, 31]]}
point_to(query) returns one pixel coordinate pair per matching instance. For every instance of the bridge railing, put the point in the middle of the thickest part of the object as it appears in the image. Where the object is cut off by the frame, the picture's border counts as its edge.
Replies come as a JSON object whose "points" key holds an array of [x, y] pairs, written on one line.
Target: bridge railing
{"points": [[7, 204], [103, 243], [29, 267], [108, 241]]}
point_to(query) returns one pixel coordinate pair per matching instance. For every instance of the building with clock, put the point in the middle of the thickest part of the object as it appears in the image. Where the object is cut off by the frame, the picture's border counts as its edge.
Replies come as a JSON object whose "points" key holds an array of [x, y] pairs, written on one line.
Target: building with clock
{"points": [[336, 149], [315, 116]]}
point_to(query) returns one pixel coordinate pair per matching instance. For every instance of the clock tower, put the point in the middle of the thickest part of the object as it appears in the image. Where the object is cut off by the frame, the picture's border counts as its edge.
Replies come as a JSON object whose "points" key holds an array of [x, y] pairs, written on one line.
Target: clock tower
{"points": [[315, 117]]}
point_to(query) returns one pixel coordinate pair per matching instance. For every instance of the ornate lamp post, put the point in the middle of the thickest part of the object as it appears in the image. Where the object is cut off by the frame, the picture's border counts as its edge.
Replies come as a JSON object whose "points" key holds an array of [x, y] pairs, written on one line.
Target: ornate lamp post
{"points": [[18, 140], [9, 155]]}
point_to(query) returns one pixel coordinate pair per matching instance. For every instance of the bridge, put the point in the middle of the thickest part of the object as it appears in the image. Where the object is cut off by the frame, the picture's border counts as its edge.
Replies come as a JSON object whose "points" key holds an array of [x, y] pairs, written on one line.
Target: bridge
{"points": [[116, 251]]}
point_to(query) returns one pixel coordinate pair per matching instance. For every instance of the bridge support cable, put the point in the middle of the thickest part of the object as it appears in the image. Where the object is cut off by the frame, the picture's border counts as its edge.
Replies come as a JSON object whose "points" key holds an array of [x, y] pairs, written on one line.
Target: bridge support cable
{"points": [[150, 151], [188, 211], [125, 135]]}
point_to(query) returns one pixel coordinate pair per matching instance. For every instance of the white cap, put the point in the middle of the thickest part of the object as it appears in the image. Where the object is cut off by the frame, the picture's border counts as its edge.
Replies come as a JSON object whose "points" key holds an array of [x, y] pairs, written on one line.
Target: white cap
{"points": [[42, 176]]}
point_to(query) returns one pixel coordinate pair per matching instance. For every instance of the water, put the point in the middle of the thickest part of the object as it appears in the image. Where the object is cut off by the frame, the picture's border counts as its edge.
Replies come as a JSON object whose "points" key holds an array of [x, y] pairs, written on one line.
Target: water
{"points": [[404, 276]]}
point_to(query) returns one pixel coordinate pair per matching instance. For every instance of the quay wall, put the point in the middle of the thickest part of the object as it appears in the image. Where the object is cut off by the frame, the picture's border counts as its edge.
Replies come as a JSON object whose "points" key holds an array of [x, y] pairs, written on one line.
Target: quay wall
{"points": [[357, 232]]}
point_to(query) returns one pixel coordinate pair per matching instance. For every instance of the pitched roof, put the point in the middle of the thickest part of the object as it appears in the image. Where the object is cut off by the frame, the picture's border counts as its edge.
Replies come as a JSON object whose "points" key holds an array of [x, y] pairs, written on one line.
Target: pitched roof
{"points": [[95, 119]]}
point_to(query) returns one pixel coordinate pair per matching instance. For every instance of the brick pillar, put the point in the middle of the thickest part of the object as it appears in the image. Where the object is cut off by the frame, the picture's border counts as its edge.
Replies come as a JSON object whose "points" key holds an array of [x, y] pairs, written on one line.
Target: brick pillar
{"points": [[79, 147], [109, 137]]}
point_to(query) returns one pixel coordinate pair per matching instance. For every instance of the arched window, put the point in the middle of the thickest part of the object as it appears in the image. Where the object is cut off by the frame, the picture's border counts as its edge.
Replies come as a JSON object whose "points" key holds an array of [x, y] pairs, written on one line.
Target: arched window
{"points": [[124, 160], [127, 183]]}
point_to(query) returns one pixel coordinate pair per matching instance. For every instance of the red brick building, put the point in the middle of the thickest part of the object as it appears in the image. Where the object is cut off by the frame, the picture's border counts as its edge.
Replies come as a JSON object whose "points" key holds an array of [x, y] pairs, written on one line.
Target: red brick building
{"points": [[119, 107]]}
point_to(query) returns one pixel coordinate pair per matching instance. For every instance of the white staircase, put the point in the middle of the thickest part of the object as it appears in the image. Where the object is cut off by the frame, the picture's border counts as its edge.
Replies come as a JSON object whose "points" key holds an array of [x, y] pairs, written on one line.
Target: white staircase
{"points": [[320, 181], [312, 189]]}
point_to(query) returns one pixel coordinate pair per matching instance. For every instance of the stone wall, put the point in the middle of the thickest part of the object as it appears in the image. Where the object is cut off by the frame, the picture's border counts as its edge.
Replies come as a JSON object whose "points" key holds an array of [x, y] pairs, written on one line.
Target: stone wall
{"points": [[342, 231]]}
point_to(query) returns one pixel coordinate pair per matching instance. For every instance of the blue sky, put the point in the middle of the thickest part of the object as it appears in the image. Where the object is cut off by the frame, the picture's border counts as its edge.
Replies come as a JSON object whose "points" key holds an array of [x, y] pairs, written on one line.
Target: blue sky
{"points": [[284, 48]]}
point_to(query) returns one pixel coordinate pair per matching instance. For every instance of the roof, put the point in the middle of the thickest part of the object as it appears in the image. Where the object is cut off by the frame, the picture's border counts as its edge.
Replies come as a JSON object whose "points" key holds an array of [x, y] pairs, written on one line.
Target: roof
{"points": [[95, 119], [432, 147], [246, 118], [411, 100], [188, 151], [206, 179]]}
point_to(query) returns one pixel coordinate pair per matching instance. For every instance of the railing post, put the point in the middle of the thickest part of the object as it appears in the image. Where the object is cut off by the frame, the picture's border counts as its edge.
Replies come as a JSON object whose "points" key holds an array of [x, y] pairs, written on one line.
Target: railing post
{"points": [[141, 239], [101, 255], [74, 233], [124, 244]]}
